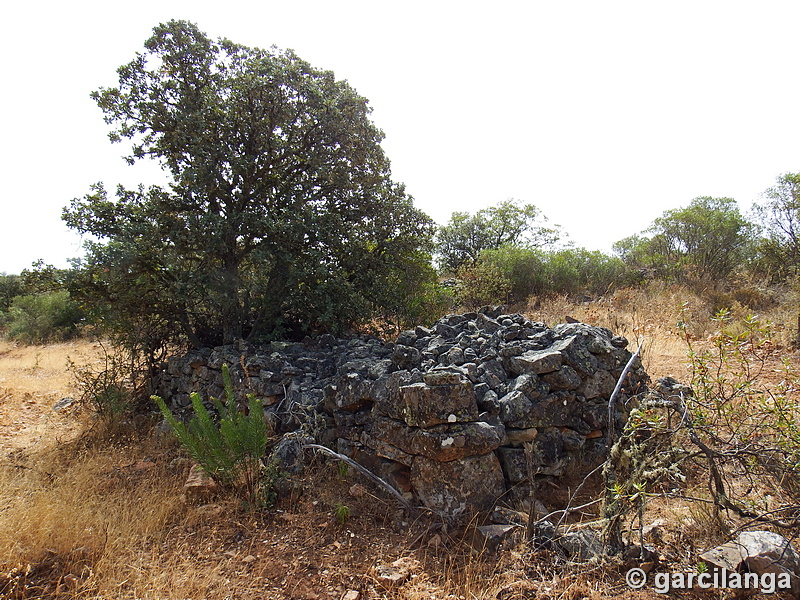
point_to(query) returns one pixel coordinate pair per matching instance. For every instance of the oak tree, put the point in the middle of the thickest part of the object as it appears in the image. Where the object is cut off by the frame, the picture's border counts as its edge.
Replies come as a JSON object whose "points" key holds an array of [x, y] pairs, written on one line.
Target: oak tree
{"points": [[280, 211]]}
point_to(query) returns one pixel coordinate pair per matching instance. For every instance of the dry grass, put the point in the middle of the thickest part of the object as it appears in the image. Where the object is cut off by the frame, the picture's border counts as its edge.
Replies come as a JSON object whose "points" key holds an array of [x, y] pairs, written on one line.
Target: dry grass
{"points": [[69, 515], [102, 518], [32, 380]]}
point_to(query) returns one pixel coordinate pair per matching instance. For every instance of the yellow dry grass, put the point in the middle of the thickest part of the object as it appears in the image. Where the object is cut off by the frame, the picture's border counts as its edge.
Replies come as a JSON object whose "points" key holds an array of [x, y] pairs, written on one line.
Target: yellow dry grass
{"points": [[96, 517], [32, 380]]}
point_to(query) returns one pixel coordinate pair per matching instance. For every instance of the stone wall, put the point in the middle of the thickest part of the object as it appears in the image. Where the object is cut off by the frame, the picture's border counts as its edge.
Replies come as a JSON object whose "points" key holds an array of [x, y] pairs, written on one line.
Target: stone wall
{"points": [[443, 413]]}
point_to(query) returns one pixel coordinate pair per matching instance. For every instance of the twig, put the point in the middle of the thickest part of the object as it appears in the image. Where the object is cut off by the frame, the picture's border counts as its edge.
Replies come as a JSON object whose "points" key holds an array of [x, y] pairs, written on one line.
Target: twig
{"points": [[612, 399], [366, 472]]}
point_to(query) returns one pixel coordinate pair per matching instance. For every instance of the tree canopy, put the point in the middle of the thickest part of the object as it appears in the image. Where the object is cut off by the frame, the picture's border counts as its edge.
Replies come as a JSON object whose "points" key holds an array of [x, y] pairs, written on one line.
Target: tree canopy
{"points": [[707, 239], [779, 210], [281, 209], [509, 223]]}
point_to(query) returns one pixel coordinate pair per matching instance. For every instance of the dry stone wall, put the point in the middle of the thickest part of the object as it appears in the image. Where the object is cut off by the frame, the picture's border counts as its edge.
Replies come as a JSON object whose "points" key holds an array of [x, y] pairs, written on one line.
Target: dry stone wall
{"points": [[444, 413]]}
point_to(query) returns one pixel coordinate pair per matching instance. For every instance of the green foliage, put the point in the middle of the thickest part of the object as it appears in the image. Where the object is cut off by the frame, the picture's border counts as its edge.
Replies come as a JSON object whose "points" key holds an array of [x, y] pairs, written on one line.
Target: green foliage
{"points": [[527, 272], [229, 449], [342, 513], [281, 212], [577, 270], [708, 240], [42, 277], [778, 253], [510, 223], [480, 284], [10, 287], [522, 268], [733, 409], [43, 317]]}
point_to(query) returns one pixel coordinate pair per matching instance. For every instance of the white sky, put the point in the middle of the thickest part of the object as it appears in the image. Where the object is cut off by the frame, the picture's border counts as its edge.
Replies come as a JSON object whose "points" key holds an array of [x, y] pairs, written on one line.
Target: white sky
{"points": [[603, 114]]}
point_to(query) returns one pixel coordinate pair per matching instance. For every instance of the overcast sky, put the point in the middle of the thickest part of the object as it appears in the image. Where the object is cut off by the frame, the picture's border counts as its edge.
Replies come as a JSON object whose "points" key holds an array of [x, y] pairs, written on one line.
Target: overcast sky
{"points": [[603, 114]]}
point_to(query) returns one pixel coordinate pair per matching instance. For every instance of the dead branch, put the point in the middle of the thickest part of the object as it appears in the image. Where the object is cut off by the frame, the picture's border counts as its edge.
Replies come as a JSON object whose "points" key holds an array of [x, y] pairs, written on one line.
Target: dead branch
{"points": [[364, 471]]}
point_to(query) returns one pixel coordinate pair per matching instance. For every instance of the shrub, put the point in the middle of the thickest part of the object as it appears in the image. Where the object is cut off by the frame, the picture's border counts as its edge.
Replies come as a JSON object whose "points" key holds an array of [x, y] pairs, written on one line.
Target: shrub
{"points": [[522, 267], [567, 271], [107, 388], [577, 270], [229, 449], [45, 317], [480, 284], [747, 422]]}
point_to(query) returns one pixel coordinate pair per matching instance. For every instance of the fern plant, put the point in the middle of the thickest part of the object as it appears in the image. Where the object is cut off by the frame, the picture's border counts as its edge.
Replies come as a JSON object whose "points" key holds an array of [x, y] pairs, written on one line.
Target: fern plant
{"points": [[230, 448]]}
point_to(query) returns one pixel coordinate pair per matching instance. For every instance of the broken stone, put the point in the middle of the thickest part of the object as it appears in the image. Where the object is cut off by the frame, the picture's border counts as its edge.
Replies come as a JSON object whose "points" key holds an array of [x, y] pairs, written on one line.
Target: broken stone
{"points": [[353, 392], [515, 437], [758, 552], [565, 378], [532, 386], [440, 442], [514, 463], [601, 383], [65, 402], [395, 573], [489, 538], [425, 405], [535, 361], [581, 545], [199, 486], [458, 487]]}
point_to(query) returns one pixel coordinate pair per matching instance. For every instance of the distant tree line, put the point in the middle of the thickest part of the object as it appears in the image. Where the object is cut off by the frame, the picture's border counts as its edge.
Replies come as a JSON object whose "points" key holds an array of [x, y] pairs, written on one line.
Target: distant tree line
{"points": [[708, 243]]}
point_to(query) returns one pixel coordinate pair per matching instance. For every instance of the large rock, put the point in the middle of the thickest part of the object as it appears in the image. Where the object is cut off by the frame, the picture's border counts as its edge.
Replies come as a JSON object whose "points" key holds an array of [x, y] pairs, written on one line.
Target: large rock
{"points": [[440, 442], [458, 487], [535, 361], [426, 405]]}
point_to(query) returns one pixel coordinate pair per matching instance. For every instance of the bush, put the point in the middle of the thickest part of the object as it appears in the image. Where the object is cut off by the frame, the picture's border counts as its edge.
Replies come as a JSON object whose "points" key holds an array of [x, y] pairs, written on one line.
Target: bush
{"points": [[481, 284], [746, 421], [568, 271], [109, 387], [45, 317], [229, 450], [523, 268]]}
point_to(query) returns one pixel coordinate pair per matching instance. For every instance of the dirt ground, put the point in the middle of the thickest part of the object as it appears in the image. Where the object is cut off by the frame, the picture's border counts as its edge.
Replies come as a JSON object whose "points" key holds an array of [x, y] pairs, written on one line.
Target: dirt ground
{"points": [[140, 538], [33, 379]]}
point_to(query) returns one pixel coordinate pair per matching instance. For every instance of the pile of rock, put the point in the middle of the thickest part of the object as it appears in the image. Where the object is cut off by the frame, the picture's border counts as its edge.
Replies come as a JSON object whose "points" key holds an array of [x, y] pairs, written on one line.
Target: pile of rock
{"points": [[459, 414]]}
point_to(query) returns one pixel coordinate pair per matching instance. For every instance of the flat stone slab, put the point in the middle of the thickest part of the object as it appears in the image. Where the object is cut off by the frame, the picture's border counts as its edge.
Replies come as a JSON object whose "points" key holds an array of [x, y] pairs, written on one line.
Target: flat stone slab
{"points": [[426, 405]]}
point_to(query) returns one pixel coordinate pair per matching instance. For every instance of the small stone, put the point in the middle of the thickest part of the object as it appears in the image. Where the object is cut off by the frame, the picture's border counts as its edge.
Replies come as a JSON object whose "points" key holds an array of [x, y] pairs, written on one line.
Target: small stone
{"points": [[489, 538], [249, 559], [436, 378], [357, 490], [520, 436], [351, 595], [581, 545], [199, 486], [63, 403], [395, 573]]}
